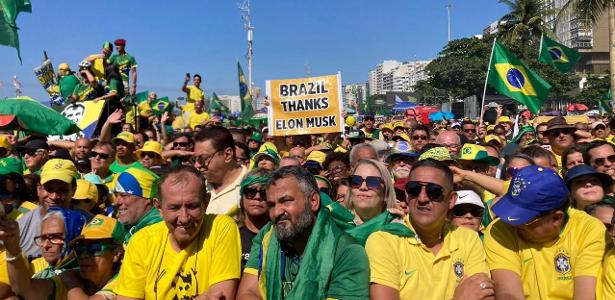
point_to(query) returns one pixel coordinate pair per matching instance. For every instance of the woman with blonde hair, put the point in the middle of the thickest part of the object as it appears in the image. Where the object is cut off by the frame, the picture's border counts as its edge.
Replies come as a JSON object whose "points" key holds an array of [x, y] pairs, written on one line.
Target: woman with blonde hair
{"points": [[371, 190]]}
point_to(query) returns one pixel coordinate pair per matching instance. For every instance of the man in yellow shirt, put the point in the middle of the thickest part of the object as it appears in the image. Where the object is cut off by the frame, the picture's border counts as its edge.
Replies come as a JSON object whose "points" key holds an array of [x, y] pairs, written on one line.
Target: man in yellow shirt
{"points": [[539, 248], [442, 261], [193, 92], [188, 255], [198, 116]]}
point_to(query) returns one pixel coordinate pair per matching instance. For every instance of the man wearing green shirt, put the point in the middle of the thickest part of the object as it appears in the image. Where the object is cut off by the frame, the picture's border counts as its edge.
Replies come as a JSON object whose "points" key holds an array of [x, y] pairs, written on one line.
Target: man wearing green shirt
{"points": [[124, 153], [302, 254], [127, 65]]}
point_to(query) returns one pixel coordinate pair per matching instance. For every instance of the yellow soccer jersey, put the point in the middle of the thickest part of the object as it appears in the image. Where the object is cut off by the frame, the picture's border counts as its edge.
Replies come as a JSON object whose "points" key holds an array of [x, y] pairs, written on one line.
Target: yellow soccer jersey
{"points": [[194, 94], [153, 269], [408, 266], [607, 282], [548, 271], [197, 119]]}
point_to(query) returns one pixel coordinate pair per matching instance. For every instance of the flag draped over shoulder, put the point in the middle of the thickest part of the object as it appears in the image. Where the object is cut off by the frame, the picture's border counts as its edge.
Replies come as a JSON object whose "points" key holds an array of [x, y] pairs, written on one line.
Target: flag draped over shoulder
{"points": [[511, 77], [557, 55], [9, 10], [217, 104], [247, 111]]}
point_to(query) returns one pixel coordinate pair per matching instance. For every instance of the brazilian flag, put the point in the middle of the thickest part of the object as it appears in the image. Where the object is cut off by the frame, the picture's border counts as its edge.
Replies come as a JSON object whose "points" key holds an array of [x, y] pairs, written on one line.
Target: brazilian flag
{"points": [[511, 77], [247, 111], [217, 104], [141, 96], [604, 103], [557, 55], [9, 10], [159, 106]]}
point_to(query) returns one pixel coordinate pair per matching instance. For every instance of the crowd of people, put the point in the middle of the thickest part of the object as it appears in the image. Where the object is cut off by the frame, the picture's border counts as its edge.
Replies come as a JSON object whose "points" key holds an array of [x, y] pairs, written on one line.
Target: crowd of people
{"points": [[185, 206]]}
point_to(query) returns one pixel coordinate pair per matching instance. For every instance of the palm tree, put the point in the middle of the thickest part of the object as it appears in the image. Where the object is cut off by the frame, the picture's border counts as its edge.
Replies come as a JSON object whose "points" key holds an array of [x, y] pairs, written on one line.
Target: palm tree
{"points": [[525, 22], [592, 10]]}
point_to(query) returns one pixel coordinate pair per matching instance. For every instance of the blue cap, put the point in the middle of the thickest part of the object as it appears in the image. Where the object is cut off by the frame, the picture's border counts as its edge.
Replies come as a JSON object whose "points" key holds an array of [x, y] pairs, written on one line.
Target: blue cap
{"points": [[582, 170], [533, 190]]}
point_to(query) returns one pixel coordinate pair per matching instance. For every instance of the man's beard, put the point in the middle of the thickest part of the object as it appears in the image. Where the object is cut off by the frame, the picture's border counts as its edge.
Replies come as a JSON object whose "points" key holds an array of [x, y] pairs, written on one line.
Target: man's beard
{"points": [[289, 234]]}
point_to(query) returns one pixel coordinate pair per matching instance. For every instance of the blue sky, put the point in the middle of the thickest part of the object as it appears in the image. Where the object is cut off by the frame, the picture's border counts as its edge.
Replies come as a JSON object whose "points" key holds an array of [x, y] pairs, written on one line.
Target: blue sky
{"points": [[170, 38]]}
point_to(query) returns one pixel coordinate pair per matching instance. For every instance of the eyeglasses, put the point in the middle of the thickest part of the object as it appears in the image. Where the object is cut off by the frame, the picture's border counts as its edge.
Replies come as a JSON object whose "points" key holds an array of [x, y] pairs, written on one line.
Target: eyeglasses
{"points": [[149, 154], [556, 133], [94, 154], [470, 130], [434, 191], [53, 238], [250, 193], [204, 162], [33, 152], [419, 137], [462, 210], [181, 144], [601, 161], [95, 249], [372, 182]]}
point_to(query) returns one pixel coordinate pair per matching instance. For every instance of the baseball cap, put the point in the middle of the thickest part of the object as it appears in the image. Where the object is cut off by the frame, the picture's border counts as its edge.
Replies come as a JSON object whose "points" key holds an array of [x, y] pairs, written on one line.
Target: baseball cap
{"points": [[139, 182], [533, 190], [63, 67], [490, 127], [10, 165], [401, 148], [469, 197], [440, 153], [86, 190], [596, 124], [100, 228], [120, 42], [59, 169], [107, 45], [494, 138], [93, 178], [316, 156], [5, 143], [257, 136], [36, 144], [477, 153], [269, 153], [125, 136], [60, 153], [403, 136], [150, 146], [582, 170], [504, 119]]}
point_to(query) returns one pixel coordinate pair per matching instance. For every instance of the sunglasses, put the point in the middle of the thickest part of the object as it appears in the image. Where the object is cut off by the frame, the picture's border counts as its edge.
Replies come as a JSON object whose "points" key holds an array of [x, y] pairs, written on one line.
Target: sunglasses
{"points": [[149, 154], [94, 154], [180, 144], [250, 193], [462, 210], [601, 161], [419, 137], [434, 191], [95, 249], [469, 130], [53, 238], [556, 133], [33, 152], [372, 182]]}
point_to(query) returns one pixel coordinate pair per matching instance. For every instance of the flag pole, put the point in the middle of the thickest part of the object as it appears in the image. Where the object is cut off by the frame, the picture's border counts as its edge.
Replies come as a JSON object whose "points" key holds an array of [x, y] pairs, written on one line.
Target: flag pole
{"points": [[482, 106], [540, 47]]}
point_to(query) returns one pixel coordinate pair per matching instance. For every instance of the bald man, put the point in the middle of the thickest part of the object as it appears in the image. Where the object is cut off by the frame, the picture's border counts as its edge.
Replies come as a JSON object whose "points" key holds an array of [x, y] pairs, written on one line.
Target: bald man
{"points": [[451, 140]]}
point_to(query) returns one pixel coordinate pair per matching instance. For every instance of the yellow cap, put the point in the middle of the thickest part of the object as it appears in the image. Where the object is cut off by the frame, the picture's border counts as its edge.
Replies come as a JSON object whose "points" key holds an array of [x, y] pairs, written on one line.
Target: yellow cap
{"points": [[60, 169], [388, 126], [126, 137], [492, 137], [86, 190], [150, 146], [63, 67], [504, 119], [399, 124], [268, 145], [317, 156], [5, 143], [102, 227], [490, 127]]}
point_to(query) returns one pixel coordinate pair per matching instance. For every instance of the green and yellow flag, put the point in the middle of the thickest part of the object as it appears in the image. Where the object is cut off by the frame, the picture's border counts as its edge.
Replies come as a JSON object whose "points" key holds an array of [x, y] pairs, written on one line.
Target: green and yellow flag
{"points": [[247, 111], [9, 10], [557, 55], [160, 105], [217, 104], [511, 77]]}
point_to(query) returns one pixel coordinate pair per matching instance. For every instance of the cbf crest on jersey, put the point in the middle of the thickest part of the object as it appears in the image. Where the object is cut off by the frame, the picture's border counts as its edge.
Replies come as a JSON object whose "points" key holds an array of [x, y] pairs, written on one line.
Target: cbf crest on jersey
{"points": [[458, 268], [563, 265]]}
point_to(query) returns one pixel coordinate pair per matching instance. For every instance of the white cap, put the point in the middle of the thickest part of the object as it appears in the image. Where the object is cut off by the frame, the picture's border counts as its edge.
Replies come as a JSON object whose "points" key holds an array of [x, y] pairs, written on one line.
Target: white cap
{"points": [[596, 124], [469, 196]]}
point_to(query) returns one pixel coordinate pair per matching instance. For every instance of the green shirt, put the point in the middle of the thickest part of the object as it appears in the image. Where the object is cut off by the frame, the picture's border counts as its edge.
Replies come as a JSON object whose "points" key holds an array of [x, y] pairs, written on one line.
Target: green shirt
{"points": [[125, 62], [84, 92], [67, 85], [117, 168], [115, 85]]}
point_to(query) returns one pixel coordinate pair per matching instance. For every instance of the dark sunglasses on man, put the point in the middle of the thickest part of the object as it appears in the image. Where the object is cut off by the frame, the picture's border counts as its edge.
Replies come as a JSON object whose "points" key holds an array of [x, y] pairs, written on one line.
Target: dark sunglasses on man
{"points": [[434, 191]]}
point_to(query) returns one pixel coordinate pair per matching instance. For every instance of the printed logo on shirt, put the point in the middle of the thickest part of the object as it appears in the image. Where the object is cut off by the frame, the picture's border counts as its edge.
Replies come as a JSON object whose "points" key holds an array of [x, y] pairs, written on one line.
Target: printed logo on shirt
{"points": [[458, 268], [185, 285], [563, 265]]}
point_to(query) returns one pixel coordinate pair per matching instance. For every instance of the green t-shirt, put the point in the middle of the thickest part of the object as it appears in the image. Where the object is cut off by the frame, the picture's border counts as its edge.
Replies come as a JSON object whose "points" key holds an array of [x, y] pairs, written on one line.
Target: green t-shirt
{"points": [[124, 62], [115, 85], [84, 92], [67, 85], [116, 168], [349, 276]]}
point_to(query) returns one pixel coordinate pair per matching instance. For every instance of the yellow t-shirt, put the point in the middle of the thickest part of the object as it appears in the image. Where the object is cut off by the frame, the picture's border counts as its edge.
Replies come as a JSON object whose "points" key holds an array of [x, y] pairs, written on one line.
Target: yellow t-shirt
{"points": [[548, 271], [194, 94], [153, 269], [196, 119], [408, 266], [98, 67]]}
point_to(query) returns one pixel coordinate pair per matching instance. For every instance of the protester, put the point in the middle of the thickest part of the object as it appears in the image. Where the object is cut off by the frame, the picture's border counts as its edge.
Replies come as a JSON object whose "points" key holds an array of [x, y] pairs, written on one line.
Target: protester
{"points": [[468, 210], [124, 153], [193, 92], [321, 260], [127, 65], [539, 248], [190, 254], [450, 140], [586, 186], [253, 211], [36, 154]]}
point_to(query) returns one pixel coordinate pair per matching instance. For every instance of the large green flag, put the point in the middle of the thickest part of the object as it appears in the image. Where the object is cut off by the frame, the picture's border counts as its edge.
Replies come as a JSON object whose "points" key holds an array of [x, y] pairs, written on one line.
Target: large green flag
{"points": [[511, 77], [557, 55], [141, 96], [367, 108], [604, 103], [10, 9], [217, 104], [247, 111]]}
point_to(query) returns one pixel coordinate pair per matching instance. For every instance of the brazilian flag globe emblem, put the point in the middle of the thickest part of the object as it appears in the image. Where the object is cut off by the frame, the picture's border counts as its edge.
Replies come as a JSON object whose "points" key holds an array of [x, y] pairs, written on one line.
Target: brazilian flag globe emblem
{"points": [[557, 55], [511, 77]]}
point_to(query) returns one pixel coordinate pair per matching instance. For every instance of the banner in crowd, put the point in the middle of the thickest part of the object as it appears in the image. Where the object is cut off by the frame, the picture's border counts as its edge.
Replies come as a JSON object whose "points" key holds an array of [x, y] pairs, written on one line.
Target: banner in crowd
{"points": [[46, 76], [85, 115], [305, 105]]}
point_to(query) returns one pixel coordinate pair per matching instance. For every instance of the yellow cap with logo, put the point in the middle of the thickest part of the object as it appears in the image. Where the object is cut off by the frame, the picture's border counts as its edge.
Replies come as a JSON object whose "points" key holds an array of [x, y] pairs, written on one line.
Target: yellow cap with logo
{"points": [[86, 190], [58, 169]]}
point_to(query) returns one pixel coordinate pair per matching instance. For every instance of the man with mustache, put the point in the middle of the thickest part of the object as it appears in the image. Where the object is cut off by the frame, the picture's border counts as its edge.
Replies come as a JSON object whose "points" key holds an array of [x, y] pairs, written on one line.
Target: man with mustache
{"points": [[400, 160], [601, 155], [302, 254]]}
